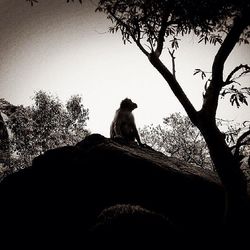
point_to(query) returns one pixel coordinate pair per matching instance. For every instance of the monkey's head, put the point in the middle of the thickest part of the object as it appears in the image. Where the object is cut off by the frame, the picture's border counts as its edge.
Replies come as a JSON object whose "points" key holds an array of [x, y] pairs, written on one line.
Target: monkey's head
{"points": [[128, 104]]}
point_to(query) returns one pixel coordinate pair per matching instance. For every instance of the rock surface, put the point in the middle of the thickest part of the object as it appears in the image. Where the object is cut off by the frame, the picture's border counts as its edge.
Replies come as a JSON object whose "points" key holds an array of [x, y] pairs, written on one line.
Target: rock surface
{"points": [[61, 195]]}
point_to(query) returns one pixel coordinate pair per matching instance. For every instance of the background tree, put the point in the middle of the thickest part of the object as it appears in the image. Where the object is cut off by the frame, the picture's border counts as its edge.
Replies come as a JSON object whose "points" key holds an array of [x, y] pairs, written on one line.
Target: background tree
{"points": [[4, 145], [45, 125], [150, 24], [237, 136], [178, 137]]}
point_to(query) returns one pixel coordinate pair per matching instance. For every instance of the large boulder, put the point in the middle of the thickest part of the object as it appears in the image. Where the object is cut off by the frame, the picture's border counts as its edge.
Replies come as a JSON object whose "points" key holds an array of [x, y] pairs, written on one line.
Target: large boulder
{"points": [[62, 194]]}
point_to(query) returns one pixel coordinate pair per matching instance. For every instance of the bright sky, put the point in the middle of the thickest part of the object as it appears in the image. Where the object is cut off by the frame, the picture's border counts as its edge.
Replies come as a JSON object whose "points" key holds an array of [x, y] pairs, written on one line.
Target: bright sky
{"points": [[65, 49]]}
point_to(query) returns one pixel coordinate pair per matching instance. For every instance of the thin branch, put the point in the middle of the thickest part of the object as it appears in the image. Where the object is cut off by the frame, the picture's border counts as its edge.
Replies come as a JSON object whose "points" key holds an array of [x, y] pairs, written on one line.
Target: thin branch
{"points": [[174, 85], [151, 31], [229, 79], [240, 143], [140, 45], [138, 30], [245, 122], [173, 62], [160, 40], [137, 41]]}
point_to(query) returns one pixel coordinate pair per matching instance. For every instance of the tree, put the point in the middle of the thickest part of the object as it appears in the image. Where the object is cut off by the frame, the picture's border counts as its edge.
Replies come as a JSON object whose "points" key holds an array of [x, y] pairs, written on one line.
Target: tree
{"points": [[238, 139], [237, 136], [45, 125], [4, 145], [179, 138], [150, 24]]}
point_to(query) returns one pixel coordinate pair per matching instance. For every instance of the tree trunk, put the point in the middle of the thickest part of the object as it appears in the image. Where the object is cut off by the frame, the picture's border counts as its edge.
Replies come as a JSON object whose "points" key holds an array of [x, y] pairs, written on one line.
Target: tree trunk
{"points": [[228, 169], [225, 163]]}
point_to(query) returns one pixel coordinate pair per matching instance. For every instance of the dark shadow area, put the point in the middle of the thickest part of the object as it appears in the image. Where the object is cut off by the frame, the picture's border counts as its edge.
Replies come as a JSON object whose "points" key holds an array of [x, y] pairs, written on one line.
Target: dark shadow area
{"points": [[69, 197]]}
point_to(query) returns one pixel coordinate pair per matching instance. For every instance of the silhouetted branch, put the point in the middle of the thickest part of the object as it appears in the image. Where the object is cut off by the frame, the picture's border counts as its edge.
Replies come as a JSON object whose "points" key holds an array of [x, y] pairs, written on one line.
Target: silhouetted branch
{"points": [[240, 143], [173, 62], [132, 34], [160, 40], [246, 69], [233, 36], [174, 85], [210, 101]]}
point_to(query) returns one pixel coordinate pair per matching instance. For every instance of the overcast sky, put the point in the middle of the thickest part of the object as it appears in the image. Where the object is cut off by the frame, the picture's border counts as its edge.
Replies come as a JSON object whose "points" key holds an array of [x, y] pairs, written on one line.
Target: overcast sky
{"points": [[65, 49]]}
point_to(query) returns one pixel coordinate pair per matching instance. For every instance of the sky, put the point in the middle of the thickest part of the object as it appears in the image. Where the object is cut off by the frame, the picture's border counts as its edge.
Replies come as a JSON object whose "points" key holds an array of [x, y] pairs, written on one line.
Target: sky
{"points": [[65, 49]]}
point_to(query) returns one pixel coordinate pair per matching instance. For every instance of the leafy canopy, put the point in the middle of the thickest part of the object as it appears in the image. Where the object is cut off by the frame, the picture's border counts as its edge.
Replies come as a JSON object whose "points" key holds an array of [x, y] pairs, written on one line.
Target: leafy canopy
{"points": [[150, 24], [152, 20], [45, 125], [178, 137]]}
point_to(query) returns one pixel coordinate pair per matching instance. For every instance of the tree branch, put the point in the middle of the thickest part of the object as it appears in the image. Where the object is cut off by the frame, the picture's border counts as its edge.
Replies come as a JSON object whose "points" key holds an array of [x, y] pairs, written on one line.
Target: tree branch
{"points": [[160, 40], [173, 62], [229, 79], [137, 41], [240, 143], [240, 23], [174, 85], [210, 102]]}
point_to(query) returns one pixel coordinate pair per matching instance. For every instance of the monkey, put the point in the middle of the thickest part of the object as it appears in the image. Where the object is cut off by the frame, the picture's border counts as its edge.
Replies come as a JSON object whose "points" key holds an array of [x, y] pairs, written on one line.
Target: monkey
{"points": [[123, 126]]}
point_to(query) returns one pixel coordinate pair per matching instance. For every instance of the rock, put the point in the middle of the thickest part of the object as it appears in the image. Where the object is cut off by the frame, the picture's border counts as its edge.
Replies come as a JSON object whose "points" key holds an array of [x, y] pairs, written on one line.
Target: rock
{"points": [[133, 225], [61, 195]]}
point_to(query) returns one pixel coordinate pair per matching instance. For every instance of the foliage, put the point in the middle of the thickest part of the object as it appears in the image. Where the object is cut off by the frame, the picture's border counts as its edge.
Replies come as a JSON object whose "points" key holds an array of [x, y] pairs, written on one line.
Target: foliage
{"points": [[239, 94], [145, 18], [45, 125], [151, 23], [178, 137], [238, 138], [233, 132]]}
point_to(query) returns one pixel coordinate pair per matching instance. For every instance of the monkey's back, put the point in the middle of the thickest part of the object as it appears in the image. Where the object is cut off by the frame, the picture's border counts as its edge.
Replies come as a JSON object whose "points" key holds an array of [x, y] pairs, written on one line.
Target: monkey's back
{"points": [[123, 125]]}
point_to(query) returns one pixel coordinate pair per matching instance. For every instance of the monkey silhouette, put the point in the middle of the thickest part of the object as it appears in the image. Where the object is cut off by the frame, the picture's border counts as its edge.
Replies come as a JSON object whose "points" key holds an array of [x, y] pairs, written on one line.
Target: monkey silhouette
{"points": [[123, 126]]}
